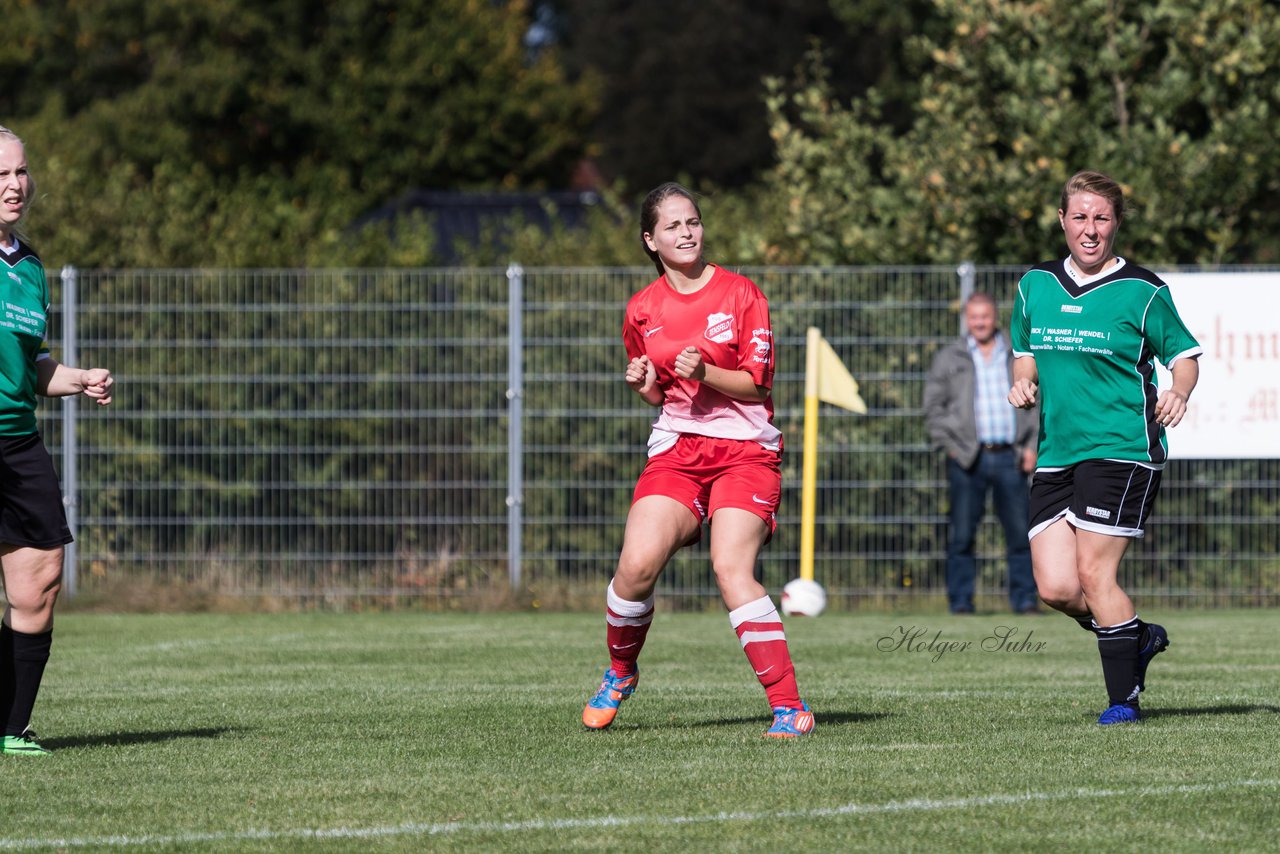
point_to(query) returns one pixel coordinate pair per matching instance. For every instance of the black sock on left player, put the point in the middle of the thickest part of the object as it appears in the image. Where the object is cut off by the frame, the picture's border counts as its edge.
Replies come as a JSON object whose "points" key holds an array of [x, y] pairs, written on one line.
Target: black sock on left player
{"points": [[26, 656], [6, 673]]}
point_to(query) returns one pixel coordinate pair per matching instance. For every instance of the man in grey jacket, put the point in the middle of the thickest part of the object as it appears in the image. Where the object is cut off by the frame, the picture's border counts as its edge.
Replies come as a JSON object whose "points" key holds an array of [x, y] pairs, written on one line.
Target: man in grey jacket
{"points": [[990, 447]]}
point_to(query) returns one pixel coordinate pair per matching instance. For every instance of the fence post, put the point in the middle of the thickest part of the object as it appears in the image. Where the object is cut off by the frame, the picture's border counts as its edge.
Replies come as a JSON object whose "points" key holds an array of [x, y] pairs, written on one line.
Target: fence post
{"points": [[70, 450], [515, 425], [968, 273]]}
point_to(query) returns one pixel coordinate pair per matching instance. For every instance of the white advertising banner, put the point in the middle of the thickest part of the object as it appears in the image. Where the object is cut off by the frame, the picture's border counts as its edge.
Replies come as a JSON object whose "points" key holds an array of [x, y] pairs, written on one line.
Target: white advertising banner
{"points": [[1235, 409]]}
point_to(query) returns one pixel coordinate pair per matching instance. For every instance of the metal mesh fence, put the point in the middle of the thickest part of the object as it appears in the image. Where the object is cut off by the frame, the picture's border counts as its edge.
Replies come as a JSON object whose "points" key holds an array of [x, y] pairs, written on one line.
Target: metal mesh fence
{"points": [[333, 434]]}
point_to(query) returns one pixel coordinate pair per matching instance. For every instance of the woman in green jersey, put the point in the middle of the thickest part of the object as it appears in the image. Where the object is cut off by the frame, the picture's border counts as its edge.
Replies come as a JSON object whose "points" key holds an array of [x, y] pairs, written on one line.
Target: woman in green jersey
{"points": [[1085, 332], [33, 524]]}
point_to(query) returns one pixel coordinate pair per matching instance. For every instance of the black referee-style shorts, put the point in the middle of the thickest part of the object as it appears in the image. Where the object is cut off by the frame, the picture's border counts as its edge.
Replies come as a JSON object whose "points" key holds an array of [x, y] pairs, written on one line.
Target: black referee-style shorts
{"points": [[1112, 497], [31, 511]]}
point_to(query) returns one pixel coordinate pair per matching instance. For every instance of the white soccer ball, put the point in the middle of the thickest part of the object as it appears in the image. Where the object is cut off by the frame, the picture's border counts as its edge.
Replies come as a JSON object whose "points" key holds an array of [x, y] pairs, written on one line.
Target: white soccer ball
{"points": [[803, 598]]}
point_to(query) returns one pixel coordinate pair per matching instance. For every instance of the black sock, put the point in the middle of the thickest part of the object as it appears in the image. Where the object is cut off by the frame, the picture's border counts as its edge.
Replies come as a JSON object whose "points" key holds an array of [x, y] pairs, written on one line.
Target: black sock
{"points": [[27, 657], [1118, 647], [6, 672], [1086, 623]]}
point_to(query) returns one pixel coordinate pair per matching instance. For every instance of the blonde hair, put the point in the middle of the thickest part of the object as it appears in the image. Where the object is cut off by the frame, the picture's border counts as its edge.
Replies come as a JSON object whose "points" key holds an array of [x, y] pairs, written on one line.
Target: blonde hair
{"points": [[1099, 185]]}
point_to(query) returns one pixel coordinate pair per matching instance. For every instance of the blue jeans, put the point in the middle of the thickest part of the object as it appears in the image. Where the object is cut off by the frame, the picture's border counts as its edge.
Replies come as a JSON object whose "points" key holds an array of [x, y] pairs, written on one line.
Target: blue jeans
{"points": [[1000, 473]]}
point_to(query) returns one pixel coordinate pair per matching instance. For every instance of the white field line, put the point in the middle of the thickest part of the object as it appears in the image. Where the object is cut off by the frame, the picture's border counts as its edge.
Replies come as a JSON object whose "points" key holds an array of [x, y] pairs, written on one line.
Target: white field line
{"points": [[537, 825]]}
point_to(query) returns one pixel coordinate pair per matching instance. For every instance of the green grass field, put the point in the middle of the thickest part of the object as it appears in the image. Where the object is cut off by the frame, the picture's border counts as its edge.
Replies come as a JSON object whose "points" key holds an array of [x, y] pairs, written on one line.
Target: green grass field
{"points": [[461, 732]]}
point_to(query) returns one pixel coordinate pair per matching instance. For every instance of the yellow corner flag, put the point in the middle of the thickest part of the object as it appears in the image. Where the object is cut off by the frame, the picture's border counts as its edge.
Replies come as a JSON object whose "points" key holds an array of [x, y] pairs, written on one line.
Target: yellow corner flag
{"points": [[826, 379], [831, 380]]}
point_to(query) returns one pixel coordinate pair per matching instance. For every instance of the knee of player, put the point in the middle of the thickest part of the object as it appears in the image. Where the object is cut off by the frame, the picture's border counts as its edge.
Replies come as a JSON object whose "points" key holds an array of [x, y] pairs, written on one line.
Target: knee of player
{"points": [[639, 569], [34, 603], [733, 570], [1097, 577], [1060, 595]]}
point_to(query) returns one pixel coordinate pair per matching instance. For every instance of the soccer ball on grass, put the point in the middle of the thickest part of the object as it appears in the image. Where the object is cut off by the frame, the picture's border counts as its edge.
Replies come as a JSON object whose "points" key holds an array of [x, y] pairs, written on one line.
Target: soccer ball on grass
{"points": [[803, 598]]}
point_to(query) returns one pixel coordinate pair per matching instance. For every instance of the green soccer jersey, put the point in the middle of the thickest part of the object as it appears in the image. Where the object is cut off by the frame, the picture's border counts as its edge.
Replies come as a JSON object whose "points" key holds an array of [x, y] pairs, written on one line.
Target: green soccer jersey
{"points": [[25, 297], [1094, 342]]}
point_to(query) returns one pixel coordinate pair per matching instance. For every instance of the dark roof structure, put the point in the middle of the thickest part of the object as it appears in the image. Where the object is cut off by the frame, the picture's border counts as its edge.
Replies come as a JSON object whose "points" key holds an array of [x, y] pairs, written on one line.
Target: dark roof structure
{"points": [[461, 217]]}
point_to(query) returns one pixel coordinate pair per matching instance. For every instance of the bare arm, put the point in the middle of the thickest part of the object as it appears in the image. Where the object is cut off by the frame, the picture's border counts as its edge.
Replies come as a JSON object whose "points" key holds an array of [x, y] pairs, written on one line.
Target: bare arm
{"points": [[1026, 382], [739, 385], [1172, 404], [54, 379]]}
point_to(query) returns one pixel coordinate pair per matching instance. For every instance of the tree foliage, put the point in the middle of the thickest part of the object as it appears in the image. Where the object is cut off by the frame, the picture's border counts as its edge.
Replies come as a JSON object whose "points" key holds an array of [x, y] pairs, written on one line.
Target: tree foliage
{"points": [[1178, 101], [253, 133], [683, 83], [241, 132]]}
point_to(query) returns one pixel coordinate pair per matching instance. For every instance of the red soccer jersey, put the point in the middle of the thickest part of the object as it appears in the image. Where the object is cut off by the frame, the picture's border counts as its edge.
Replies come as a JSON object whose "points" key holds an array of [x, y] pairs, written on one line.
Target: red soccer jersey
{"points": [[728, 321]]}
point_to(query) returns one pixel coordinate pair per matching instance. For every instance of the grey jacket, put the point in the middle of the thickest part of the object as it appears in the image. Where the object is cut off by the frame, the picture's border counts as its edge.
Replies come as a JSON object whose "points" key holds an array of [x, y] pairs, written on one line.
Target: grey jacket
{"points": [[948, 405]]}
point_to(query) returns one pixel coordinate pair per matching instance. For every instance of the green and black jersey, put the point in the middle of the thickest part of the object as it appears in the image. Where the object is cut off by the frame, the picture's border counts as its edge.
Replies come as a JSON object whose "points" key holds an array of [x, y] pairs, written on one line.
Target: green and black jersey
{"points": [[1094, 341], [24, 300]]}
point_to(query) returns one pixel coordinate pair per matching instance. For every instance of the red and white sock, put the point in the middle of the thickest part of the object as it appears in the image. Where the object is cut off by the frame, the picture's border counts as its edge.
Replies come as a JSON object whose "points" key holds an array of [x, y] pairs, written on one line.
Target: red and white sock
{"points": [[759, 629], [627, 625]]}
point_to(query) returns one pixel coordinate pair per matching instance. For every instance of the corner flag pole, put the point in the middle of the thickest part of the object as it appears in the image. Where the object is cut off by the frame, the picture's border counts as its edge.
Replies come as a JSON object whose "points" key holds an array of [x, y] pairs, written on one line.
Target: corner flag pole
{"points": [[827, 379], [809, 466]]}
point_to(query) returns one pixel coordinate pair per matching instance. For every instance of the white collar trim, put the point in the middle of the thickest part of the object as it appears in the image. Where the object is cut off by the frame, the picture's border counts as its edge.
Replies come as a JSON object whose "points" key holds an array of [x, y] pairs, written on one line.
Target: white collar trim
{"points": [[1080, 279]]}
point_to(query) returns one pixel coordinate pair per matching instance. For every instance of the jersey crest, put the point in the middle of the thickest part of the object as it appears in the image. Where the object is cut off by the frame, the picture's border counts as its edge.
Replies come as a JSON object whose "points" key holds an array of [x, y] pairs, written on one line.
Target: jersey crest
{"points": [[719, 328]]}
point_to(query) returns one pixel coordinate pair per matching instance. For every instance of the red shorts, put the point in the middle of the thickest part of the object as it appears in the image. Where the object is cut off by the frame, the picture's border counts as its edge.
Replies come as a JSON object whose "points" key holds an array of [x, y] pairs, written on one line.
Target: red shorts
{"points": [[705, 473]]}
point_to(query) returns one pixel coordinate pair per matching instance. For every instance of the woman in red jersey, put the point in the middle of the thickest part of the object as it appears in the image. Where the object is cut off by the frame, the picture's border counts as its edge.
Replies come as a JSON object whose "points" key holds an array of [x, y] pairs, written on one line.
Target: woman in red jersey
{"points": [[701, 349], [33, 523]]}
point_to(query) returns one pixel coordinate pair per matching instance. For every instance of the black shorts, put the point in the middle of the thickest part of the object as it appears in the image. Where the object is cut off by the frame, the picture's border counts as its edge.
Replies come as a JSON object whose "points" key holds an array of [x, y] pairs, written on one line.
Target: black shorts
{"points": [[1105, 496], [31, 511]]}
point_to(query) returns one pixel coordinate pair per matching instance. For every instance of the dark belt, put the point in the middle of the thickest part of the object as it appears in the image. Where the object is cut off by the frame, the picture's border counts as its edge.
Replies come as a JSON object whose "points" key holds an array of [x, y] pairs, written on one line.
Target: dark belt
{"points": [[996, 446]]}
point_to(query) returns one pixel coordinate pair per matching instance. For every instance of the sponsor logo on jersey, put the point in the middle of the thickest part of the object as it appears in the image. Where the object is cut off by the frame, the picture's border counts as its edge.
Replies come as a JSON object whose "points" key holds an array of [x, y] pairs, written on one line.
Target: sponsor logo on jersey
{"points": [[1098, 512], [655, 330], [1073, 309], [763, 341], [719, 328]]}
